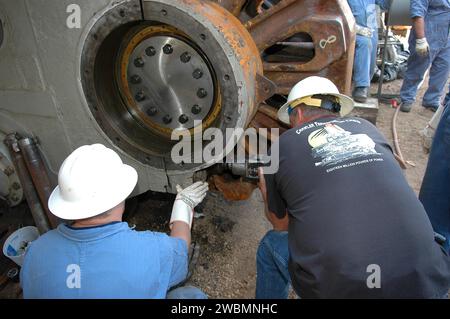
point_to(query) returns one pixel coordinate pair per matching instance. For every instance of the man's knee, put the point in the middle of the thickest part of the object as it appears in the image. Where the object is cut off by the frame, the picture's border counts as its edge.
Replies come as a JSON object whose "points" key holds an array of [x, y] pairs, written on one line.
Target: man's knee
{"points": [[270, 243]]}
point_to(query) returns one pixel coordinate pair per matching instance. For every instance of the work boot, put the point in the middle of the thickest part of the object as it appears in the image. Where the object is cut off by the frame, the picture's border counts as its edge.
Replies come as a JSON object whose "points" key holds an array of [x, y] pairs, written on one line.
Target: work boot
{"points": [[360, 94], [406, 107], [432, 108]]}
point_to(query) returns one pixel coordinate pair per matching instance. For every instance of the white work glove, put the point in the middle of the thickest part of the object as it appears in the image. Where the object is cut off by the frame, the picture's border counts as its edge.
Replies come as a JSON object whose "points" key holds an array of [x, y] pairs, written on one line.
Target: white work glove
{"points": [[186, 200], [422, 47]]}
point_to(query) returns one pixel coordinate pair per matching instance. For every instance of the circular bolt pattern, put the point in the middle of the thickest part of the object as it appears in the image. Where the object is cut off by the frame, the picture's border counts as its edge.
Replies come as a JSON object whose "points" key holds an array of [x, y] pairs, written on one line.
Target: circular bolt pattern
{"points": [[191, 80], [201, 93], [150, 51], [139, 62], [196, 109], [197, 74], [140, 96], [152, 111], [167, 49], [183, 119], [135, 79], [185, 57], [167, 119]]}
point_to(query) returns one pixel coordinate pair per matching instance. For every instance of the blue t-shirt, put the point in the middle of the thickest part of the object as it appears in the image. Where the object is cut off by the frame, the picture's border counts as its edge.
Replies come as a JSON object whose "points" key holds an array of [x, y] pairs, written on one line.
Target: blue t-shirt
{"points": [[109, 261]]}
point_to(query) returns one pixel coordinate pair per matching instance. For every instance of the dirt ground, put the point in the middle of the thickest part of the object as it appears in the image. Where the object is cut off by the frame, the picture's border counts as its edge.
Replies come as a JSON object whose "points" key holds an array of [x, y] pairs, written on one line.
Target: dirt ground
{"points": [[229, 232]]}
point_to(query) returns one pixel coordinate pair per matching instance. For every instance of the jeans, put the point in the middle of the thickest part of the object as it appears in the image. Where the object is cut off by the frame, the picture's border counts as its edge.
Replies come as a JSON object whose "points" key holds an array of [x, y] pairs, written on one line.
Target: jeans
{"points": [[272, 275], [365, 59], [186, 292], [435, 190], [447, 97]]}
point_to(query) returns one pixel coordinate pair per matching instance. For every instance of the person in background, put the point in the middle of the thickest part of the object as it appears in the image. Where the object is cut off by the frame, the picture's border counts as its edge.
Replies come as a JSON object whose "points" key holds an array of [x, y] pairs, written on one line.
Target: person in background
{"points": [[429, 43], [365, 14], [355, 228], [435, 191], [96, 254]]}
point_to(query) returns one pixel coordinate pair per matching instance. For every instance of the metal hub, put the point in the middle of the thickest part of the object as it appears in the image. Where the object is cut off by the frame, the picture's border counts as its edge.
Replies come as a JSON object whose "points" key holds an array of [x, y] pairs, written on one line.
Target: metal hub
{"points": [[170, 81], [144, 79]]}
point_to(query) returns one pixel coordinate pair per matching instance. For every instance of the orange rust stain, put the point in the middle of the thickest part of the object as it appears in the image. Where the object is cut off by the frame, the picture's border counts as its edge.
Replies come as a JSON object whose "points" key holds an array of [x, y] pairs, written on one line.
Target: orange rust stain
{"points": [[233, 189]]}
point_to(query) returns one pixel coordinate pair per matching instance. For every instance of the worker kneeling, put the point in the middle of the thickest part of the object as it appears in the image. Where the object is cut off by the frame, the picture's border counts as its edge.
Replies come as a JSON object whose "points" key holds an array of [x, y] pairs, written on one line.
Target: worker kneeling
{"points": [[346, 223], [98, 255]]}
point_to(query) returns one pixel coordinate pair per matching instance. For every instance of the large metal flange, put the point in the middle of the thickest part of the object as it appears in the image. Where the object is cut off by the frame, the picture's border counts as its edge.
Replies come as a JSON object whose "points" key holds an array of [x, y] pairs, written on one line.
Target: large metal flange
{"points": [[187, 60], [229, 48]]}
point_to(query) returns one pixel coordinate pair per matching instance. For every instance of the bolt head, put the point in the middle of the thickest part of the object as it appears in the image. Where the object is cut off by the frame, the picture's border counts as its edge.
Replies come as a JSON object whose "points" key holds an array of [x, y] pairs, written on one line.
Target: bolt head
{"points": [[139, 62], [167, 49], [185, 57], [167, 119], [150, 51], [152, 111], [201, 93], [197, 74], [183, 119], [196, 109], [135, 79], [140, 96]]}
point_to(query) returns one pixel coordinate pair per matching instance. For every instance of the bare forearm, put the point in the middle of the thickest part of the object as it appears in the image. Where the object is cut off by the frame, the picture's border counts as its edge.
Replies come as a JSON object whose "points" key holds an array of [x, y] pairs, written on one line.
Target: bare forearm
{"points": [[181, 230], [419, 27]]}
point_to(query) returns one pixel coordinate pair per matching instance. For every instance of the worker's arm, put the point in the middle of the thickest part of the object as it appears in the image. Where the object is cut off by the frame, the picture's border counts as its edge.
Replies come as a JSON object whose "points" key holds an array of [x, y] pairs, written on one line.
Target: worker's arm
{"points": [[279, 224], [183, 210], [181, 230], [419, 27], [419, 9]]}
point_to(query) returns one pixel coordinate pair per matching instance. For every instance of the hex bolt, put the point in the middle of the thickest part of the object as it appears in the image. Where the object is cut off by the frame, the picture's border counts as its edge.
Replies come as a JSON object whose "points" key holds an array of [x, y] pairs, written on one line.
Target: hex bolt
{"points": [[201, 93], [8, 171], [139, 62], [152, 111], [185, 57], [135, 79], [167, 49], [150, 51], [140, 96], [167, 119], [197, 74], [183, 119], [15, 186], [196, 109]]}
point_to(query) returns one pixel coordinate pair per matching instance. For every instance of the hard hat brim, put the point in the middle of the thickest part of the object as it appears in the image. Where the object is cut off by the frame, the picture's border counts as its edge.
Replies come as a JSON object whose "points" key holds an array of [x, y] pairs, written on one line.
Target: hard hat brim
{"points": [[98, 204], [347, 105]]}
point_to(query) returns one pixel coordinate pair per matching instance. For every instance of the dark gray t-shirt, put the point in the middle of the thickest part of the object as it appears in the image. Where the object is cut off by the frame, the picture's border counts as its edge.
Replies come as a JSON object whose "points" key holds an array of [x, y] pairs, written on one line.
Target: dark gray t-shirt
{"points": [[355, 223]]}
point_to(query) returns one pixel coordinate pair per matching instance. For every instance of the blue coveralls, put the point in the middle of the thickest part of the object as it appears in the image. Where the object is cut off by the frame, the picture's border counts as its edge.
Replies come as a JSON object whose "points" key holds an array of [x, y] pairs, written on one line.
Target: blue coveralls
{"points": [[365, 14], [437, 25]]}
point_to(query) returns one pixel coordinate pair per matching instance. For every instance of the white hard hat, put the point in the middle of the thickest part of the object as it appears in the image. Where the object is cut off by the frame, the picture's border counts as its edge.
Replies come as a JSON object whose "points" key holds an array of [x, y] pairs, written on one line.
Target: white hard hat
{"points": [[311, 86], [91, 181]]}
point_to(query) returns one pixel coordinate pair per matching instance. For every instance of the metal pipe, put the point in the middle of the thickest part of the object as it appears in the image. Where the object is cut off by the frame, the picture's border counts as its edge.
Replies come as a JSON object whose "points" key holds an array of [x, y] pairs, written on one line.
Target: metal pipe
{"points": [[300, 45], [39, 176], [383, 61], [38, 213]]}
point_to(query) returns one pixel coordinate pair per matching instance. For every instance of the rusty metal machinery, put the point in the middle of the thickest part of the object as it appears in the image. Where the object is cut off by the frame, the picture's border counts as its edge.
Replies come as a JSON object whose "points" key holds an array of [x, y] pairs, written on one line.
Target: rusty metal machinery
{"points": [[137, 70]]}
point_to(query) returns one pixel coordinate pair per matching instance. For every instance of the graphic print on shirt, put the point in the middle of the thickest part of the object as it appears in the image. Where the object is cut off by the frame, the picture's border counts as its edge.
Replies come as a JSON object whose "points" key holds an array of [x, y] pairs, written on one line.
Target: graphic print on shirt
{"points": [[332, 145]]}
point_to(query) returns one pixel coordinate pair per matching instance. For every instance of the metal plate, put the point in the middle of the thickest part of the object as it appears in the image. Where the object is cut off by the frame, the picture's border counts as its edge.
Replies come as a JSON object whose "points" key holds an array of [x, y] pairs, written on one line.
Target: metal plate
{"points": [[170, 82]]}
